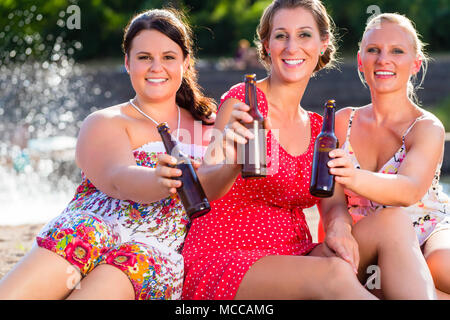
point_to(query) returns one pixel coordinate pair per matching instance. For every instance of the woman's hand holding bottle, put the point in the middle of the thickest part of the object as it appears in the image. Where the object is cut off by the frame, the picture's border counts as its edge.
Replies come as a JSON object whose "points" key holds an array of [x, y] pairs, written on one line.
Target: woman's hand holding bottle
{"points": [[236, 133], [166, 173], [342, 167]]}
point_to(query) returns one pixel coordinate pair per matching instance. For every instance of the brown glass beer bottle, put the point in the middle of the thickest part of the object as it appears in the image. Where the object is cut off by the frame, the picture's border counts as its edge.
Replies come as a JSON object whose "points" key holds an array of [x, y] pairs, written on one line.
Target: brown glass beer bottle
{"points": [[191, 192], [253, 155], [322, 182]]}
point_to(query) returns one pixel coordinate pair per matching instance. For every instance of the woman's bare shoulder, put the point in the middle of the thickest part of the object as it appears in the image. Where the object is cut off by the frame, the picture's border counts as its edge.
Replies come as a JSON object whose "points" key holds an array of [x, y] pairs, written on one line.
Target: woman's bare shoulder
{"points": [[344, 113], [112, 112], [428, 126], [343, 120], [427, 130], [107, 117], [431, 120]]}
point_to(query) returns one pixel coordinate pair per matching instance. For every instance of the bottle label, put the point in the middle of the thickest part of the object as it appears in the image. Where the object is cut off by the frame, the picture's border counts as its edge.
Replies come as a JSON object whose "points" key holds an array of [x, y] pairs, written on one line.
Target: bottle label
{"points": [[325, 149]]}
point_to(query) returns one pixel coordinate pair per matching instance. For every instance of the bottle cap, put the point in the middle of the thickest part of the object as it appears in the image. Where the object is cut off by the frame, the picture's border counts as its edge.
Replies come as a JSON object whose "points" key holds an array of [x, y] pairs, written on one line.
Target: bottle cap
{"points": [[163, 126], [250, 76], [330, 103]]}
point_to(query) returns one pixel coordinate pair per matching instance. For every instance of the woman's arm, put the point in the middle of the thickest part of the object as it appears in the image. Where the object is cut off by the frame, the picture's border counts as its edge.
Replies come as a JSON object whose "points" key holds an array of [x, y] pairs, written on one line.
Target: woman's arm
{"points": [[424, 146], [337, 224], [219, 168], [105, 155]]}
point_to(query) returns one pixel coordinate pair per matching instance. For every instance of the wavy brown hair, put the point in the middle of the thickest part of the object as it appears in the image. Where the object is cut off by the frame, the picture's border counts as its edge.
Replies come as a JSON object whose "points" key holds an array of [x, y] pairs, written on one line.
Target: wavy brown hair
{"points": [[173, 24], [324, 23]]}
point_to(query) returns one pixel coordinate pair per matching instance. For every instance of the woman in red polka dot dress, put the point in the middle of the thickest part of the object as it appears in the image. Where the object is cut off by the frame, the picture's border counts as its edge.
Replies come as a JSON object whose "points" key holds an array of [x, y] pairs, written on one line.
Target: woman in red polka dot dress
{"points": [[255, 242]]}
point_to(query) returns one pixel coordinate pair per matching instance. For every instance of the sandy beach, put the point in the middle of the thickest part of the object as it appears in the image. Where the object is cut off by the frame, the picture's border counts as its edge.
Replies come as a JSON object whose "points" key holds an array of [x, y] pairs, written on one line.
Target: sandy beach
{"points": [[16, 241]]}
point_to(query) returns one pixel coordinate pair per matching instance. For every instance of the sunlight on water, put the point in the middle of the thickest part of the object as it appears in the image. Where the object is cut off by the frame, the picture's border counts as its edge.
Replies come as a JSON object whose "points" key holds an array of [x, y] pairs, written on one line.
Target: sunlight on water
{"points": [[40, 114], [28, 197]]}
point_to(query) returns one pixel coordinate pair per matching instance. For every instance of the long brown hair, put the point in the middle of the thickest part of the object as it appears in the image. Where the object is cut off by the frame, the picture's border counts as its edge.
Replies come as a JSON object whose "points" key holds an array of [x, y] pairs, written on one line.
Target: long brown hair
{"points": [[173, 24]]}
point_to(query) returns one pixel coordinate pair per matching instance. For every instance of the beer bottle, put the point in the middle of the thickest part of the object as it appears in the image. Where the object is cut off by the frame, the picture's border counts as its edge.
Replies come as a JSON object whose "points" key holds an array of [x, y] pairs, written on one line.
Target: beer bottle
{"points": [[322, 182], [253, 155], [191, 192]]}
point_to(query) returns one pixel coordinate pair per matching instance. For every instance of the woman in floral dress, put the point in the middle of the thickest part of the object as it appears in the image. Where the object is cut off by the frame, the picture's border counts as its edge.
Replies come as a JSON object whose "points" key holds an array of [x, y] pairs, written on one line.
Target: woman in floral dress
{"points": [[400, 166], [122, 233]]}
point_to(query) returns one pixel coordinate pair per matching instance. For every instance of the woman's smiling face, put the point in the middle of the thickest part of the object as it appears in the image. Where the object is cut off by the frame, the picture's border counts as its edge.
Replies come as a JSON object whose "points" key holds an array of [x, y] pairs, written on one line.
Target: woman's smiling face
{"points": [[156, 65], [294, 44], [388, 58]]}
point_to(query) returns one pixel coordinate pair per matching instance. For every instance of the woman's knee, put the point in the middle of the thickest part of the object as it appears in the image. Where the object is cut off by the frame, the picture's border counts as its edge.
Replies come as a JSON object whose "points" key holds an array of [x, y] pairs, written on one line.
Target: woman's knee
{"points": [[394, 214], [41, 274], [395, 222], [104, 282], [438, 262], [339, 275], [80, 239], [153, 274]]}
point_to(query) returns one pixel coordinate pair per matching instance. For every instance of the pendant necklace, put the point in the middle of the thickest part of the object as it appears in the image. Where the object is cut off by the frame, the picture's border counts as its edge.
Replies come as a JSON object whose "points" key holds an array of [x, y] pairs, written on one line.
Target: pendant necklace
{"points": [[153, 120]]}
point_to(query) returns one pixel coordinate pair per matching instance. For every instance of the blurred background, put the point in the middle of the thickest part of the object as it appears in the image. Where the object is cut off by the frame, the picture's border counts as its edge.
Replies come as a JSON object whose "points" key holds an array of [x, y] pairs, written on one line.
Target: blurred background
{"points": [[61, 60]]}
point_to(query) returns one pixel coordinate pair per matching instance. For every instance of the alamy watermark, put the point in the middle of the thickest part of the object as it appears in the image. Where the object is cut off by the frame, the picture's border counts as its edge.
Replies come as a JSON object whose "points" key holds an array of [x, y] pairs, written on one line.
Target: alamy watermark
{"points": [[74, 279], [374, 280], [374, 11], [73, 20], [223, 150]]}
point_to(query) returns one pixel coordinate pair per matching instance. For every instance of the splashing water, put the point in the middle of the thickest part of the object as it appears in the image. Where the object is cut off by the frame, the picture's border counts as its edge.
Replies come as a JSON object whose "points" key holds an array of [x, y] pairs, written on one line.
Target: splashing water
{"points": [[29, 197], [40, 116]]}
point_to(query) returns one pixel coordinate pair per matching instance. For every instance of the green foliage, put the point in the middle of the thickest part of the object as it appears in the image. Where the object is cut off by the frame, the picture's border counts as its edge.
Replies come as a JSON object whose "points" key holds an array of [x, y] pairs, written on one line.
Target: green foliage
{"points": [[442, 111], [431, 18], [218, 25]]}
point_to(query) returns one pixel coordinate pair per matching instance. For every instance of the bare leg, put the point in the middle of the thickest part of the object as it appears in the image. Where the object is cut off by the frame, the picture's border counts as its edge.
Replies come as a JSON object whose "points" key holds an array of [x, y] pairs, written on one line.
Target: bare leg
{"points": [[388, 240], [105, 282], [437, 254], [41, 274], [301, 277]]}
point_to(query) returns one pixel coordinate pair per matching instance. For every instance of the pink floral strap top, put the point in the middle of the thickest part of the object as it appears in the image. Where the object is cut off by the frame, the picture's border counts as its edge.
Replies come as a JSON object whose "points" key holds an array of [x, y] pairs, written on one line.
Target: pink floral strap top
{"points": [[426, 214]]}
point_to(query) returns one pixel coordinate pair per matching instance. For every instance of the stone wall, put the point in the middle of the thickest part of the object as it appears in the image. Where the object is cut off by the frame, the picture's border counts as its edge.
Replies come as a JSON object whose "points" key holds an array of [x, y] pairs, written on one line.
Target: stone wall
{"points": [[343, 85]]}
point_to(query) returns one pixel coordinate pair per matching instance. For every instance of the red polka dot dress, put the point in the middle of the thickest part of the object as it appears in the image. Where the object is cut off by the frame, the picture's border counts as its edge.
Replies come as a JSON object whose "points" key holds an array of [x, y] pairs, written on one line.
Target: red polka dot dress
{"points": [[256, 218]]}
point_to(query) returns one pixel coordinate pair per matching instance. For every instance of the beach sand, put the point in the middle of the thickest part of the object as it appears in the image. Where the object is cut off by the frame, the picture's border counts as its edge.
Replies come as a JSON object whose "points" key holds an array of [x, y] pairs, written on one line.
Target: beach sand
{"points": [[16, 241]]}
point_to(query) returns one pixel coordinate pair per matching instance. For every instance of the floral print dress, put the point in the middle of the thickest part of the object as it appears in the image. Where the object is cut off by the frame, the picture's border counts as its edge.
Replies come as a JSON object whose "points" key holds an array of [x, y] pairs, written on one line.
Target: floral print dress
{"points": [[430, 214], [142, 240]]}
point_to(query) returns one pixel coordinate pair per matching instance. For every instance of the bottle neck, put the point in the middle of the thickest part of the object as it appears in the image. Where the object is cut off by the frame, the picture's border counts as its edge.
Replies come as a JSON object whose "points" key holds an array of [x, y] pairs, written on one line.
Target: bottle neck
{"points": [[168, 141], [252, 101], [328, 120]]}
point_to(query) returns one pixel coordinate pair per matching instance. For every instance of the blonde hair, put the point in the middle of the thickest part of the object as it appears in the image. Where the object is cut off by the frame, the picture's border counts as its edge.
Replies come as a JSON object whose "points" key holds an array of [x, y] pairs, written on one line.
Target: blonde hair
{"points": [[324, 23], [418, 45]]}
